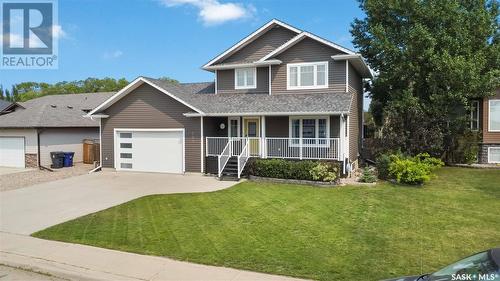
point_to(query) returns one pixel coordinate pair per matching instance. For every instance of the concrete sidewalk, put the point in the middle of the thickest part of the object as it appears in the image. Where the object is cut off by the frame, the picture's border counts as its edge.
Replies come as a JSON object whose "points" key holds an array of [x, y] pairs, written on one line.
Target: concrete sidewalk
{"points": [[79, 262]]}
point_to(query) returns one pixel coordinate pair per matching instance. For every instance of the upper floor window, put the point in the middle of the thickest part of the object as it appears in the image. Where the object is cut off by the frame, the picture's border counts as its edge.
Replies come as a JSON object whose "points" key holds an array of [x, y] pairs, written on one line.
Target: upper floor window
{"points": [[311, 75], [494, 116], [474, 115], [245, 78]]}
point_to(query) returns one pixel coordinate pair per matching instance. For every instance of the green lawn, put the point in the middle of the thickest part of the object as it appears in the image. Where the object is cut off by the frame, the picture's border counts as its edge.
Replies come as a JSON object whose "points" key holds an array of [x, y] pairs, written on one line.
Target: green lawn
{"points": [[347, 233]]}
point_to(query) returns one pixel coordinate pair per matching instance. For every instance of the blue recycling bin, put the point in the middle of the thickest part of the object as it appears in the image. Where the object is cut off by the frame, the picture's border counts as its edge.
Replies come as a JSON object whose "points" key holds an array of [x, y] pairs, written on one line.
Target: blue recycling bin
{"points": [[68, 159]]}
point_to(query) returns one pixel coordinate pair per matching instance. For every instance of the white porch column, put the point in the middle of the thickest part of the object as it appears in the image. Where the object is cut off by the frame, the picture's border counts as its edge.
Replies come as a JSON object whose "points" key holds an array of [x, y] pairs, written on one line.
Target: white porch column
{"points": [[201, 146], [263, 145], [342, 141]]}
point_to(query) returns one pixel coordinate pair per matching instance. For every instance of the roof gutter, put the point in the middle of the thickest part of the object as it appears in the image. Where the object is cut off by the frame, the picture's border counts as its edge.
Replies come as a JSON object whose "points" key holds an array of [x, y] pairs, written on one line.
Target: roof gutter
{"points": [[192, 114], [97, 116], [239, 65]]}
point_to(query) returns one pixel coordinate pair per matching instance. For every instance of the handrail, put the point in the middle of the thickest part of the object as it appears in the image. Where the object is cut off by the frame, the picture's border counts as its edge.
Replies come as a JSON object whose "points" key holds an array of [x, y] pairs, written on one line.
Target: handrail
{"points": [[224, 156], [243, 157]]}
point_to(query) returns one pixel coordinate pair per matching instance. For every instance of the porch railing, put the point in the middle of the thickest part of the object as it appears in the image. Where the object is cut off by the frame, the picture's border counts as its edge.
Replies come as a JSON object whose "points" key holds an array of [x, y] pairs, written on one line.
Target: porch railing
{"points": [[291, 148], [224, 157], [243, 157]]}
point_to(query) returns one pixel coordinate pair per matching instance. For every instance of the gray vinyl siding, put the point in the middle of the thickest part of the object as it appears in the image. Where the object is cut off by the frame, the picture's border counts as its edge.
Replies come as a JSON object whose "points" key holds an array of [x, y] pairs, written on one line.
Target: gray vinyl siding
{"points": [[262, 46], [148, 108], [355, 114], [225, 82], [65, 139], [309, 50]]}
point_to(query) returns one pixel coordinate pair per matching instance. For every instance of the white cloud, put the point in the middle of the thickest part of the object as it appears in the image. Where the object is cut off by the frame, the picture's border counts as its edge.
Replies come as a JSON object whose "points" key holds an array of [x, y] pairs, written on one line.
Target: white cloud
{"points": [[17, 39], [213, 12], [112, 55], [58, 32]]}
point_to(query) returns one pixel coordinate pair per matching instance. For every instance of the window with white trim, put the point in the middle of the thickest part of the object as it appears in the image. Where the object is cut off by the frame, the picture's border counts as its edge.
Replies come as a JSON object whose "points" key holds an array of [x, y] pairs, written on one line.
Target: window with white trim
{"points": [[474, 115], [494, 116], [234, 127], [245, 78], [311, 75], [493, 154], [310, 129]]}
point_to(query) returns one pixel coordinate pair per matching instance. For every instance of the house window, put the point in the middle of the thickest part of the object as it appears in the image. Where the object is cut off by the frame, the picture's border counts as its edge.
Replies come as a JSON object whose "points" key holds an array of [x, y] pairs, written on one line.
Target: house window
{"points": [[234, 127], [493, 154], [307, 75], [474, 116], [494, 116], [245, 78], [310, 129]]}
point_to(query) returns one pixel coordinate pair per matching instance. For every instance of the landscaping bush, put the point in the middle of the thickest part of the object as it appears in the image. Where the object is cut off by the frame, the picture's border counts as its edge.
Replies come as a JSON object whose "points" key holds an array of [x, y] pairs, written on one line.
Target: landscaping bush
{"points": [[368, 175], [413, 170], [382, 163], [325, 172], [299, 170]]}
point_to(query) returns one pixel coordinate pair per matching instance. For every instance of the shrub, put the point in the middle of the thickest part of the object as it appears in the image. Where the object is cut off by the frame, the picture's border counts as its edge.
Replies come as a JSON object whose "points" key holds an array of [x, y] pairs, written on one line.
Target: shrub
{"points": [[325, 172], [413, 170], [300, 170], [368, 175], [382, 163]]}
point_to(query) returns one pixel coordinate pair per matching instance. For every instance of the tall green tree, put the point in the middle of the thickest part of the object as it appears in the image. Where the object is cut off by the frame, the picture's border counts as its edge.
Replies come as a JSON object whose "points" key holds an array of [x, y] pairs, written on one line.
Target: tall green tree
{"points": [[1, 93], [431, 58], [7, 95]]}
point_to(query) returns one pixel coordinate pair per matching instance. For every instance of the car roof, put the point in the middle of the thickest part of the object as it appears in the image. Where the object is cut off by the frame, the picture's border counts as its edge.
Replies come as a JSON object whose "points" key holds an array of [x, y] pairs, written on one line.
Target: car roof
{"points": [[495, 255]]}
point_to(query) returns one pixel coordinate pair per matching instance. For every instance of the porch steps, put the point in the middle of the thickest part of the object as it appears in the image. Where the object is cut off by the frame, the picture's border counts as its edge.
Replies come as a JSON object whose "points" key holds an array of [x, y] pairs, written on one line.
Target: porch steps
{"points": [[230, 172]]}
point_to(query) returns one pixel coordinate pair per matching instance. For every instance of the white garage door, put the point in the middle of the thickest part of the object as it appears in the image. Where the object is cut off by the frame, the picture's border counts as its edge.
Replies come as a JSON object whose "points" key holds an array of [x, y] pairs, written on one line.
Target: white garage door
{"points": [[12, 152], [149, 151]]}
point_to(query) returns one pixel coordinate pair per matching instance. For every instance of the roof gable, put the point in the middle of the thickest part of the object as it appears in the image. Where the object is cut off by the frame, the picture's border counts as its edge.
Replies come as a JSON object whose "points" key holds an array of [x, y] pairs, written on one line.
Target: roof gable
{"points": [[130, 88], [299, 38], [249, 39]]}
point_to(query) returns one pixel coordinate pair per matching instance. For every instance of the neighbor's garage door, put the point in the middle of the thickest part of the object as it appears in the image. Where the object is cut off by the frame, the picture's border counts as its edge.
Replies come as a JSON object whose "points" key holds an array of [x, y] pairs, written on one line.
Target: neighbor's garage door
{"points": [[149, 151], [12, 152]]}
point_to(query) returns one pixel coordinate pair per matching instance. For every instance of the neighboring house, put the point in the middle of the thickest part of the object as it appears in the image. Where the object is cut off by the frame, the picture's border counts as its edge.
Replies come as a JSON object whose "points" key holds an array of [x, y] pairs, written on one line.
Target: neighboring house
{"points": [[50, 123], [485, 117], [278, 93], [7, 106]]}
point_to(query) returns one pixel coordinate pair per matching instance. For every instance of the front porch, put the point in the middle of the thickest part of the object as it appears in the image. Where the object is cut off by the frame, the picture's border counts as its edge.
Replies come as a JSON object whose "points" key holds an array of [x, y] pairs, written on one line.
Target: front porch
{"points": [[238, 138]]}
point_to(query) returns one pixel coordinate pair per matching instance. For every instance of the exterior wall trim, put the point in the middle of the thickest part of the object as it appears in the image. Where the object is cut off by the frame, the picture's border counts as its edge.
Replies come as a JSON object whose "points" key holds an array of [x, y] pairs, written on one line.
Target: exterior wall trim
{"points": [[149, 130], [489, 115], [190, 114]]}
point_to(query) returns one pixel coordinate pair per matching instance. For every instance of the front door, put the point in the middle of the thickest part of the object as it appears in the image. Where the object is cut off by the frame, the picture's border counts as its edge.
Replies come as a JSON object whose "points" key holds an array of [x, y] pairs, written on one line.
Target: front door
{"points": [[251, 129]]}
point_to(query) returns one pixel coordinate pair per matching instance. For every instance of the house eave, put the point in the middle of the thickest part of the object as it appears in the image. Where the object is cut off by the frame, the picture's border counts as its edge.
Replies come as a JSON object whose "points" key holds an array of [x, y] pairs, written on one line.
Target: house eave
{"points": [[240, 65], [358, 62], [296, 113]]}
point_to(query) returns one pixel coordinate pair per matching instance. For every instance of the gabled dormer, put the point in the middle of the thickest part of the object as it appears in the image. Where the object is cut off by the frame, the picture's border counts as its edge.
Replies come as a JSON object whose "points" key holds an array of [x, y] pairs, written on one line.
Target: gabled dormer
{"points": [[279, 59]]}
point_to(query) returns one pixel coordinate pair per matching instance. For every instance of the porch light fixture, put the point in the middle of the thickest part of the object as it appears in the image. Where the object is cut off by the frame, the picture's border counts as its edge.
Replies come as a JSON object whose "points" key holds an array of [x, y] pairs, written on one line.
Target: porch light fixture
{"points": [[222, 126]]}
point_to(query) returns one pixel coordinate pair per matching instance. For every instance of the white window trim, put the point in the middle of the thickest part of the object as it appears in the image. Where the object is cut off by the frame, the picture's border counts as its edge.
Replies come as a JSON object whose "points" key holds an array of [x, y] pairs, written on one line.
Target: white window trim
{"points": [[489, 153], [298, 65], [472, 116], [229, 126], [291, 118], [254, 86], [489, 115]]}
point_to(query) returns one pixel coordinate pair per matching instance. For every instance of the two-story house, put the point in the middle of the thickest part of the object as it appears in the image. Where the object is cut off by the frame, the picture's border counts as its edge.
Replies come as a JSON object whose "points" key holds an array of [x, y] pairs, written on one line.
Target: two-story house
{"points": [[278, 93]]}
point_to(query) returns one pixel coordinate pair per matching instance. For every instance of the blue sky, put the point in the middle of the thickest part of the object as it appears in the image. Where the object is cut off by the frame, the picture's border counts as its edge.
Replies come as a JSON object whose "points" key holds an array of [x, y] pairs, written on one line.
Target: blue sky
{"points": [[130, 38]]}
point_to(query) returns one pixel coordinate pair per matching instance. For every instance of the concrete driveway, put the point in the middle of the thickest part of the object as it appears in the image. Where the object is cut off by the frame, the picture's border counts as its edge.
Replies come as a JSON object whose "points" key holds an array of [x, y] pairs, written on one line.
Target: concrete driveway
{"points": [[12, 170], [27, 210]]}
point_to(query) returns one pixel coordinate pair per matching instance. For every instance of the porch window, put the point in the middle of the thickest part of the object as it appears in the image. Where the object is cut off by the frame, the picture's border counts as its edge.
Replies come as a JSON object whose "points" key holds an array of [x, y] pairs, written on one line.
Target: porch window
{"points": [[494, 116], [245, 78], [474, 115], [310, 129], [307, 75]]}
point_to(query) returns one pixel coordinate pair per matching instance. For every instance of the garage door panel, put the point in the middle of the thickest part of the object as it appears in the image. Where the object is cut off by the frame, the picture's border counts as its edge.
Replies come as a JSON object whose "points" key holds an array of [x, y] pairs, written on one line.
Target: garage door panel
{"points": [[150, 151], [12, 152]]}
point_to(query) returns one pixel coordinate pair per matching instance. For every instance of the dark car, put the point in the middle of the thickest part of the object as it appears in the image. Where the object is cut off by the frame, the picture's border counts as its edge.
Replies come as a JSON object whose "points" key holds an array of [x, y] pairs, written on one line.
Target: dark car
{"points": [[483, 266]]}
